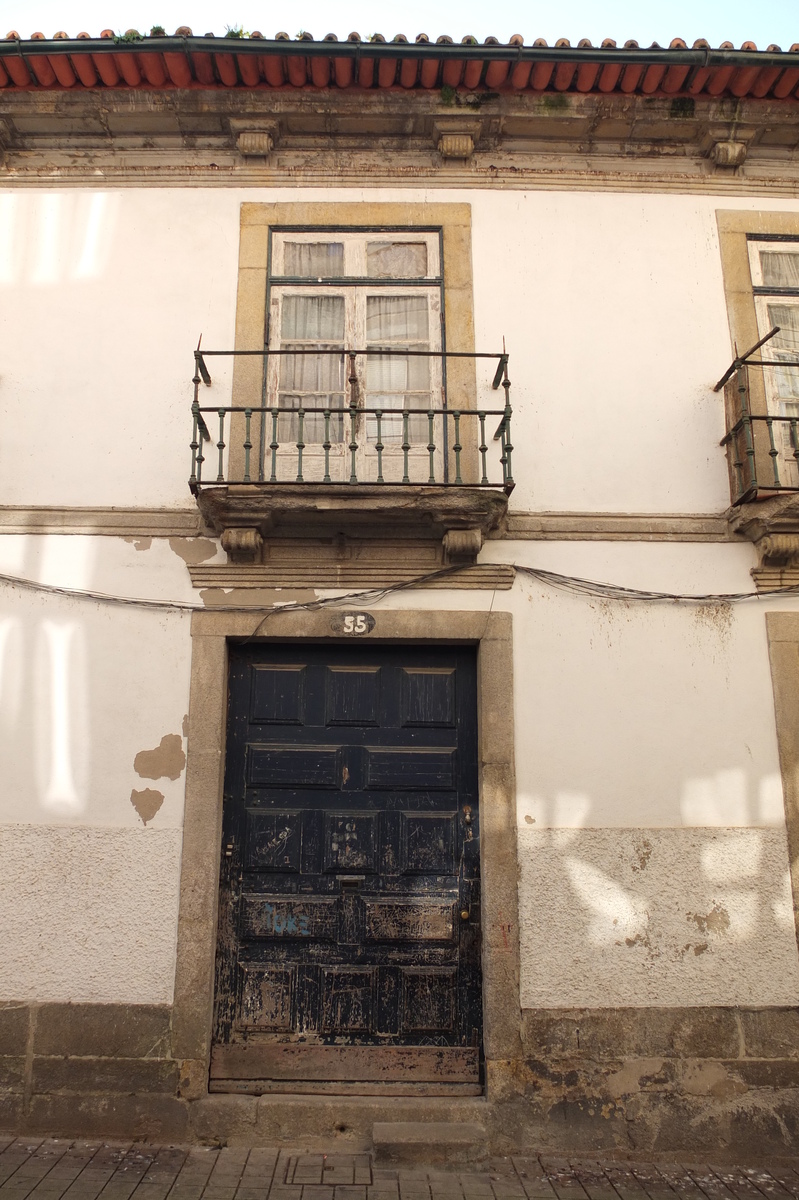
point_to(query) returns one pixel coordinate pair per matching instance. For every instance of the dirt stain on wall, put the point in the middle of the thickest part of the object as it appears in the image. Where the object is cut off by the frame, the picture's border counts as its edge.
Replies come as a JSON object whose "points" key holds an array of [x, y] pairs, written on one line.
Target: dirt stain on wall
{"points": [[166, 761], [146, 802]]}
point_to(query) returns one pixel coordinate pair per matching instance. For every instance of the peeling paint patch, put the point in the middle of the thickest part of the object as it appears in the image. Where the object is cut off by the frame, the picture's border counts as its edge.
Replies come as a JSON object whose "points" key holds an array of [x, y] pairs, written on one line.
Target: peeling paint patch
{"points": [[167, 760], [139, 543], [146, 802], [530, 820], [716, 921], [185, 726], [256, 597], [193, 550]]}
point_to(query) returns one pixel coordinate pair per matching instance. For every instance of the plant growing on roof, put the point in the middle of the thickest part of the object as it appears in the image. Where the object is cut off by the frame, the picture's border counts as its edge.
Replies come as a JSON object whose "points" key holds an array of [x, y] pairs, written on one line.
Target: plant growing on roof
{"points": [[157, 31], [235, 31], [130, 35]]}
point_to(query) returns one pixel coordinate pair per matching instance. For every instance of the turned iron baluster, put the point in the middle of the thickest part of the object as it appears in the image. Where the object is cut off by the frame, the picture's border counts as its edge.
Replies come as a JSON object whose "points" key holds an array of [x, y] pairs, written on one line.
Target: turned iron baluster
{"points": [[507, 445], [457, 447], [379, 445], [220, 445], [300, 443], [352, 379], [247, 443], [406, 445], [195, 444], [326, 446], [483, 448], [773, 451], [273, 445]]}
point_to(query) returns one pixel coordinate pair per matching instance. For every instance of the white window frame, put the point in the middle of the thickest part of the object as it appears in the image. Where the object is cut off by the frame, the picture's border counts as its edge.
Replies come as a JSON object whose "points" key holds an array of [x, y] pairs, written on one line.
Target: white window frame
{"points": [[355, 286], [779, 402]]}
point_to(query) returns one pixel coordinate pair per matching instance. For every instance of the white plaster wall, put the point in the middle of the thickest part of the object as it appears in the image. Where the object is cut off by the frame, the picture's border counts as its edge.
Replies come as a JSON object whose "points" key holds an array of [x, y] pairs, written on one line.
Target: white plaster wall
{"points": [[88, 914], [653, 861], [622, 917], [612, 307], [88, 891], [652, 847], [84, 686]]}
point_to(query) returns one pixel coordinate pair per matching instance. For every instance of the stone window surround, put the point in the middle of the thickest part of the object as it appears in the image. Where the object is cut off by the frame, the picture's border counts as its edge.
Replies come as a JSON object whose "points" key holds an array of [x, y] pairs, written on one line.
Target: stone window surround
{"points": [[771, 522], [199, 879], [455, 222], [733, 226]]}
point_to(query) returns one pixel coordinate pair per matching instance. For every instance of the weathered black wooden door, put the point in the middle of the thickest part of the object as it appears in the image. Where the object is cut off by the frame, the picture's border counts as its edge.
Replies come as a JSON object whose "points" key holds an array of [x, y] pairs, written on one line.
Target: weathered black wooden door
{"points": [[349, 926]]}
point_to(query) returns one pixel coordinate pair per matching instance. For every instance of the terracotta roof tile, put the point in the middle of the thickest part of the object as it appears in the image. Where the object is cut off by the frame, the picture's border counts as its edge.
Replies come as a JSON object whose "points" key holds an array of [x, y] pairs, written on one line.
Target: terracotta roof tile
{"points": [[187, 61]]}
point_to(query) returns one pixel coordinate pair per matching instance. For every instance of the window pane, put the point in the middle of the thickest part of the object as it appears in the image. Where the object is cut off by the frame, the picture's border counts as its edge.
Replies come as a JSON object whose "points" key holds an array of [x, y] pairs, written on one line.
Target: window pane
{"points": [[313, 318], [314, 260], [396, 260], [396, 318], [780, 268], [396, 373], [314, 373], [784, 346]]}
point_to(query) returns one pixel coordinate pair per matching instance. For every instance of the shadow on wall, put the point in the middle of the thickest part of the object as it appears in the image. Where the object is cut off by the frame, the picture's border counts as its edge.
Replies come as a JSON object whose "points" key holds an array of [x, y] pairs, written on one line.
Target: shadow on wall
{"points": [[626, 917]]}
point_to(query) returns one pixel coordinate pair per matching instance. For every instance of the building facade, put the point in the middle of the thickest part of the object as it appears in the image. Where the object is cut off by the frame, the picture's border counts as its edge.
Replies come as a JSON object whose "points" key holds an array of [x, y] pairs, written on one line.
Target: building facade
{"points": [[397, 548]]}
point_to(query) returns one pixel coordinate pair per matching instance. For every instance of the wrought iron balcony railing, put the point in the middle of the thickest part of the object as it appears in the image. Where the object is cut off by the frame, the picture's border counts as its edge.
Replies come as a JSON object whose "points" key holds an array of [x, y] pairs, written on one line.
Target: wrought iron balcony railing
{"points": [[346, 433], [762, 410]]}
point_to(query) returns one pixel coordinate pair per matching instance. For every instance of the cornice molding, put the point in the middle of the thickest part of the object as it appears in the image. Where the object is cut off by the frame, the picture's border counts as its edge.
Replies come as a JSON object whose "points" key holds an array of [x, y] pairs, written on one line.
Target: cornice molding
{"points": [[517, 526], [558, 142], [106, 522]]}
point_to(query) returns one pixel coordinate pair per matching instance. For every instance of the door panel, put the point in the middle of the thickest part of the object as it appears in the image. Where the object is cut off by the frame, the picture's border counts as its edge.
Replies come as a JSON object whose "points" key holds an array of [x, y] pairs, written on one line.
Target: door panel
{"points": [[349, 934]]}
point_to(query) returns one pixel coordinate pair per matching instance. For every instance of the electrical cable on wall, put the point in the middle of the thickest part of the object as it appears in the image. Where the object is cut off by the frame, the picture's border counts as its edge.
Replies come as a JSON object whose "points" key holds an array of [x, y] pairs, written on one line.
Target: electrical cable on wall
{"points": [[570, 583], [615, 591]]}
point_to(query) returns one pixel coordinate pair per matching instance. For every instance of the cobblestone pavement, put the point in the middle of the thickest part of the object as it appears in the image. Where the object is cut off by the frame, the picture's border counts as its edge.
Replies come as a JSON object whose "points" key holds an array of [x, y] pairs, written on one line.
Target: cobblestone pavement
{"points": [[52, 1169]]}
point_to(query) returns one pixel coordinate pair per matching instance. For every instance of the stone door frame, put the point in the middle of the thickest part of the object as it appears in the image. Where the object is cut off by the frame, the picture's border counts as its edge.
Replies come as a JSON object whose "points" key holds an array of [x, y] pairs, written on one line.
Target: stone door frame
{"points": [[199, 877]]}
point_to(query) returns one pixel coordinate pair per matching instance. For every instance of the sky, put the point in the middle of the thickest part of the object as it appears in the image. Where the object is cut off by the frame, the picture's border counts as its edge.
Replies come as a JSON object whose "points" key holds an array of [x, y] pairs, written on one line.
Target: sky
{"points": [[647, 21]]}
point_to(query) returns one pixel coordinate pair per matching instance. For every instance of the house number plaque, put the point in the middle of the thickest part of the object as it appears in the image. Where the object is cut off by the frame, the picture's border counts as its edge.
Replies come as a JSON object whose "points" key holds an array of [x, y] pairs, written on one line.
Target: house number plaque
{"points": [[354, 624]]}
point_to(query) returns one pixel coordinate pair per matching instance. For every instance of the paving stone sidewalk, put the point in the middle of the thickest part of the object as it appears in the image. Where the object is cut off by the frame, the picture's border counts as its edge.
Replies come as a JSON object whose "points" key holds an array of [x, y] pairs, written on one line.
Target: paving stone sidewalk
{"points": [[59, 1169]]}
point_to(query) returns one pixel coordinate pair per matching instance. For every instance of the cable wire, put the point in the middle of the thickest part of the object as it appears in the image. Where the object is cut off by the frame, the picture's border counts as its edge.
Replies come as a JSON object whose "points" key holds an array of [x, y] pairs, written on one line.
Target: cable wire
{"points": [[569, 583], [614, 591]]}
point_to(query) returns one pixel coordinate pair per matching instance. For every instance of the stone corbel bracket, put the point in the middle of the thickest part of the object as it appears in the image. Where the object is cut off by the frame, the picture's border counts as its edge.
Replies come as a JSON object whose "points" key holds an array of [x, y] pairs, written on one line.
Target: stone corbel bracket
{"points": [[727, 148], [254, 138], [457, 138], [773, 526], [242, 544]]}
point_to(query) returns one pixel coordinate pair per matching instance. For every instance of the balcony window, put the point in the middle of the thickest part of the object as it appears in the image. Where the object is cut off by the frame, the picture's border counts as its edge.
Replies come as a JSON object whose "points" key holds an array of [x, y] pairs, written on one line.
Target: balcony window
{"points": [[775, 283], [379, 292]]}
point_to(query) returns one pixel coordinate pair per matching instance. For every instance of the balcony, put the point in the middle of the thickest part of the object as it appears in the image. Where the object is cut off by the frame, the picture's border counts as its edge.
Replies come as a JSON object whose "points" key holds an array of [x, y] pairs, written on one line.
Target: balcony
{"points": [[761, 399], [762, 448], [346, 463]]}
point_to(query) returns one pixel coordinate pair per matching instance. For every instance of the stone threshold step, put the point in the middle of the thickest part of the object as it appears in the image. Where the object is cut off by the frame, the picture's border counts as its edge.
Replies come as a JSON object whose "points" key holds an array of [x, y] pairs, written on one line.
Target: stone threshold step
{"points": [[410, 1143]]}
